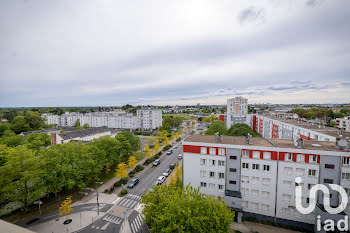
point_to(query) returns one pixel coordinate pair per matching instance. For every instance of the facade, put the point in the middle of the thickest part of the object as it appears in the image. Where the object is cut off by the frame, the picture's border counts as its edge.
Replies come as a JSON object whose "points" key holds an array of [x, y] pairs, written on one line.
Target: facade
{"points": [[276, 128], [343, 123], [237, 111], [145, 119], [256, 177]]}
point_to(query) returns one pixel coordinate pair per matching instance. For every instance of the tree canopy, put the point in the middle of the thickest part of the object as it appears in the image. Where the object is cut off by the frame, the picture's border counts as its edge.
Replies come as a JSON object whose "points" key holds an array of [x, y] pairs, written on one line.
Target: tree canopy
{"points": [[217, 126], [241, 129], [173, 209]]}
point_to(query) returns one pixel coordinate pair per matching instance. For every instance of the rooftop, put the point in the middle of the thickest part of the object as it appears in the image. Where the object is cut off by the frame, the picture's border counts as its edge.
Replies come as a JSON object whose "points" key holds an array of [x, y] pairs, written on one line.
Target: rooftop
{"points": [[263, 142], [85, 132]]}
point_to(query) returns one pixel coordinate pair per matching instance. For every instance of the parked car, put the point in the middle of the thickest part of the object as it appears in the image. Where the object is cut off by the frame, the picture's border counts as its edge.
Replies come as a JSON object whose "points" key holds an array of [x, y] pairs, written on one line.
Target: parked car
{"points": [[175, 147], [180, 156], [172, 166], [156, 162], [160, 180], [133, 182], [169, 152], [166, 173]]}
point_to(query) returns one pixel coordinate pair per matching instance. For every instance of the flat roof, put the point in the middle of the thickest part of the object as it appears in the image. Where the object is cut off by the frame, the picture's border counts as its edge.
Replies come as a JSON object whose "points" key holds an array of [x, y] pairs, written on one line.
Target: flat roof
{"points": [[263, 142], [315, 127]]}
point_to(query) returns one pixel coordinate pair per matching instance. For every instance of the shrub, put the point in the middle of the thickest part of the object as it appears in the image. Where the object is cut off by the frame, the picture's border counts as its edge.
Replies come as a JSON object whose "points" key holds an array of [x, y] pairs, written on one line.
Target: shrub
{"points": [[132, 172], [179, 139], [131, 175], [139, 168], [123, 193], [167, 147], [156, 156], [120, 182], [148, 161]]}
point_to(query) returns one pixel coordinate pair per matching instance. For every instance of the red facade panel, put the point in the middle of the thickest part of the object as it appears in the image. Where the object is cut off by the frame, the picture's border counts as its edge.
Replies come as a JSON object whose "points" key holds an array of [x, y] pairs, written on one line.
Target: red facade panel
{"points": [[254, 124], [192, 149], [222, 118], [274, 131]]}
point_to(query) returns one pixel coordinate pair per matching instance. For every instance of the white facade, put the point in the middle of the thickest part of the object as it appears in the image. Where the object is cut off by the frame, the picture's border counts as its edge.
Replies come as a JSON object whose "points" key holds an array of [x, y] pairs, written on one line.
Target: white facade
{"points": [[149, 119], [343, 123], [237, 110]]}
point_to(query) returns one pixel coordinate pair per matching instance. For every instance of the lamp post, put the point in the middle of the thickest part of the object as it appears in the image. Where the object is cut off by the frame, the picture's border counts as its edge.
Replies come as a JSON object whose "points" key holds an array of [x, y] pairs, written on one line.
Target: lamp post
{"points": [[98, 205]]}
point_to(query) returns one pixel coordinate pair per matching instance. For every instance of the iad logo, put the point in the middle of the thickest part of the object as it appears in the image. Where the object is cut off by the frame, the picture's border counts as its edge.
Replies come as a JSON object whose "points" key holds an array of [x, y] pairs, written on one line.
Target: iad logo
{"points": [[329, 223]]}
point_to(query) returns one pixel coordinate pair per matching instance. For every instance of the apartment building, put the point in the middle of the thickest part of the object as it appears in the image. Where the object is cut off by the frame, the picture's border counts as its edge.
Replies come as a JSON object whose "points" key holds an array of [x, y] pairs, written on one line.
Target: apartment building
{"points": [[276, 128], [145, 119], [237, 111], [256, 176], [343, 124]]}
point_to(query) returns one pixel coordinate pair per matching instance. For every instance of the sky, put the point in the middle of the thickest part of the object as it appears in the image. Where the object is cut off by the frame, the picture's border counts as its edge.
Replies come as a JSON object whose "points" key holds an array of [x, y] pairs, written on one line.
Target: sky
{"points": [[184, 52]]}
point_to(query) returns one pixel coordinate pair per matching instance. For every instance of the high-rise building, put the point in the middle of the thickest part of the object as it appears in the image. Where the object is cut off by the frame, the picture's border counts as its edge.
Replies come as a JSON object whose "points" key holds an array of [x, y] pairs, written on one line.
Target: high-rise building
{"points": [[237, 111]]}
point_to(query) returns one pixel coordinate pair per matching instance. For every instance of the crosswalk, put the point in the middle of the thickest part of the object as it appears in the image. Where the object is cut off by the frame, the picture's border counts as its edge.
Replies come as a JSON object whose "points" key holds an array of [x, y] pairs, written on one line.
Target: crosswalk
{"points": [[112, 219], [136, 224], [129, 201]]}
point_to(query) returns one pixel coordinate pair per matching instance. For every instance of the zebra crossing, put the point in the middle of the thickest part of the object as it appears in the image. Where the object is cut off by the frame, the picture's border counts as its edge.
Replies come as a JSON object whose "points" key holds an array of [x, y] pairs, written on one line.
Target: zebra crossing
{"points": [[129, 201], [112, 219], [136, 224]]}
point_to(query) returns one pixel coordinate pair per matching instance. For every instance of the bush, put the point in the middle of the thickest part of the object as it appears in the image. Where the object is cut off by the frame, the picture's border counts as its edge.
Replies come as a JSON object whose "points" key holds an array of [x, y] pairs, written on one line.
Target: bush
{"points": [[120, 182], [132, 172], [131, 175], [148, 161], [167, 147], [139, 168], [156, 156], [179, 139], [123, 193]]}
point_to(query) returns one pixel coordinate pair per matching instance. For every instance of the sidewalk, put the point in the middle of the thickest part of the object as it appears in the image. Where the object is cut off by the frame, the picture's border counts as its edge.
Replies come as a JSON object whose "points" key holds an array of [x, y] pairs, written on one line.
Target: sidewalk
{"points": [[252, 227]]}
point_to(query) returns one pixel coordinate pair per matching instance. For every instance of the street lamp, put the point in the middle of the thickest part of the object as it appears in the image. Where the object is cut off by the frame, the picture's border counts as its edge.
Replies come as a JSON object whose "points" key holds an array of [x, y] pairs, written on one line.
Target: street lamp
{"points": [[98, 205]]}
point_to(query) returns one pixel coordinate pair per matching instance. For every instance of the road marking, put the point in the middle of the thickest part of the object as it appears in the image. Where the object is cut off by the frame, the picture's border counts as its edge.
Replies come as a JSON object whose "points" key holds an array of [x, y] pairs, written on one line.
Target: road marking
{"points": [[132, 227], [122, 201], [104, 227], [127, 202], [134, 203], [112, 219]]}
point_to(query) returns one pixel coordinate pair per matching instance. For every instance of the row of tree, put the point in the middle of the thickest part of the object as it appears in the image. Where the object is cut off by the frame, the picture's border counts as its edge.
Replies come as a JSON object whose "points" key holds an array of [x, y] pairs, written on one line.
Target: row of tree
{"points": [[239, 129], [23, 123], [27, 174], [320, 113]]}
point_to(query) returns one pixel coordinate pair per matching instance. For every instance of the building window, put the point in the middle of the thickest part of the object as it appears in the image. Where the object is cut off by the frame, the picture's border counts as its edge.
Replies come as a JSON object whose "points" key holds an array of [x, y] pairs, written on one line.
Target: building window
{"points": [[300, 158], [255, 180], [245, 179], [203, 173], [233, 170], [245, 165], [211, 162], [265, 195], [312, 172], [203, 161], [211, 186], [233, 157], [256, 154], [212, 151], [313, 158], [221, 175], [345, 176], [203, 150], [266, 181], [287, 183], [288, 157], [329, 166], [255, 193], [222, 151], [203, 185], [307, 200], [212, 174], [264, 207], [221, 163], [286, 197], [232, 182], [328, 181], [255, 166], [245, 153], [300, 172], [309, 186], [266, 167], [267, 155], [220, 187], [288, 171], [244, 204], [346, 161], [254, 205], [286, 211]]}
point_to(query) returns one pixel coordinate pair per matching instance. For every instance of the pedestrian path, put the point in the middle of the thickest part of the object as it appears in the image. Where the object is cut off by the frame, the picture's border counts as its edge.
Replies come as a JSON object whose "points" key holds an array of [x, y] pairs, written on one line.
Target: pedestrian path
{"points": [[136, 223], [129, 201], [112, 219]]}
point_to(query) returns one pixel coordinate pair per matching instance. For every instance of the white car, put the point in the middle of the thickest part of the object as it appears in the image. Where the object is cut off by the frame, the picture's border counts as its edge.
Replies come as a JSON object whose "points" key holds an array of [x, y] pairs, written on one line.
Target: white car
{"points": [[160, 180], [180, 156]]}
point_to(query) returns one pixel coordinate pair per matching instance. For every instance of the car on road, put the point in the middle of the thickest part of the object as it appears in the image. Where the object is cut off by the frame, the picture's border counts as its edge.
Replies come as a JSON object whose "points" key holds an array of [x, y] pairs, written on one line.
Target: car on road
{"points": [[156, 162], [169, 152], [133, 182], [180, 156], [166, 173], [172, 166], [160, 180], [175, 147]]}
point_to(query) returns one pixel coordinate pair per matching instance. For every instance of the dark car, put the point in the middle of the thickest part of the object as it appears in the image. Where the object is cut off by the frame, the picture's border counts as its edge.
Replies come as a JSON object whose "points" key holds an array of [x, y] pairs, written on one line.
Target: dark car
{"points": [[133, 182], [167, 172], [172, 166], [156, 162]]}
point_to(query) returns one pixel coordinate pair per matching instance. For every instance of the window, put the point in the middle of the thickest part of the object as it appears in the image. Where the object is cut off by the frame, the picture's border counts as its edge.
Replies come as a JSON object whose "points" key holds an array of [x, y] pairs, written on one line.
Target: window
{"points": [[287, 183], [212, 174], [265, 195], [286, 197], [233, 157], [313, 158], [245, 191], [255, 166], [203, 173], [220, 187], [288, 171], [267, 155], [266, 181], [203, 161], [245, 179], [254, 205], [312, 172], [221, 163], [211, 186], [221, 175], [233, 170], [232, 182], [211, 162], [244, 204], [346, 161], [255, 180], [203, 185], [245, 165], [266, 167], [245, 153], [307, 200], [329, 166], [345, 176], [328, 181], [222, 151], [300, 172], [264, 207], [255, 193], [203, 150], [347, 190], [300, 158], [212, 151], [256, 154], [286, 211], [288, 157]]}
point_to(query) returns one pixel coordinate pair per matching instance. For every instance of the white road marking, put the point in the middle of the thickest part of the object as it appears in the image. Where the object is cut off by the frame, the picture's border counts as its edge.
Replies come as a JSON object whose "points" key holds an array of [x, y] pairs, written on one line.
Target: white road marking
{"points": [[104, 227]]}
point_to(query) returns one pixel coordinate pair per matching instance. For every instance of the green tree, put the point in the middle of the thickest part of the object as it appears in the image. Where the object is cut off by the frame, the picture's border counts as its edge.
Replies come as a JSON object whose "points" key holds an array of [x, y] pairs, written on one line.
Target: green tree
{"points": [[134, 140], [20, 125], [338, 115], [21, 175], [34, 120], [241, 129], [217, 126], [3, 128], [107, 149], [35, 141], [173, 209], [209, 119], [345, 111], [77, 125], [12, 141], [86, 126]]}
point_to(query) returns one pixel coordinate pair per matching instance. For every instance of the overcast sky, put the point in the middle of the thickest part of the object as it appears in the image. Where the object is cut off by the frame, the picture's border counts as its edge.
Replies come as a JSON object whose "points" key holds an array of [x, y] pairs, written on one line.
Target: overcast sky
{"points": [[111, 52]]}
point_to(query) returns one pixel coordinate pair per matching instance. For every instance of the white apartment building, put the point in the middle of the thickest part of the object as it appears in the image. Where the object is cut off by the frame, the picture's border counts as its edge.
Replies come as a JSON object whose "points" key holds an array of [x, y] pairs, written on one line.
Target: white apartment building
{"points": [[149, 119], [257, 177], [343, 123], [237, 111]]}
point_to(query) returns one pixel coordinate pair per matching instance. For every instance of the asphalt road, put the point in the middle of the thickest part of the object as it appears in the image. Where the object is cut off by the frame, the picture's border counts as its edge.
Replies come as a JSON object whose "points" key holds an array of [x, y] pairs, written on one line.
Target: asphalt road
{"points": [[149, 178]]}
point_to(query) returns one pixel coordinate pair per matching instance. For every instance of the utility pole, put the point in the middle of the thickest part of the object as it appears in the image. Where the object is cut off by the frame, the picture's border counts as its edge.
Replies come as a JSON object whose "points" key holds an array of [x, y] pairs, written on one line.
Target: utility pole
{"points": [[98, 205]]}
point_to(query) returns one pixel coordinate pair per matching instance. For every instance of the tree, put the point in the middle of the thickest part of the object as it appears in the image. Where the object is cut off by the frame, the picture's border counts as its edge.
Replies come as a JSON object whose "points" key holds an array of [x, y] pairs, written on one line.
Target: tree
{"points": [[20, 125], [66, 207], [86, 126], [241, 129], [34, 120], [12, 141], [107, 149], [217, 126], [77, 125], [148, 151], [345, 111], [209, 119], [173, 209], [20, 177], [132, 139], [36, 141], [156, 146], [3, 128], [121, 171], [132, 162]]}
